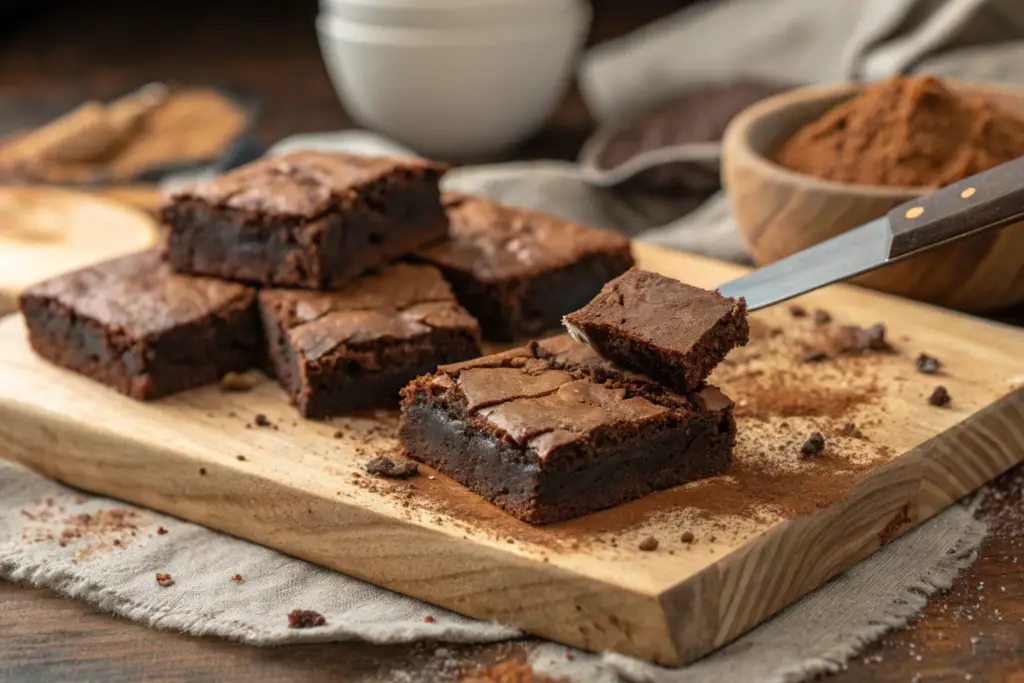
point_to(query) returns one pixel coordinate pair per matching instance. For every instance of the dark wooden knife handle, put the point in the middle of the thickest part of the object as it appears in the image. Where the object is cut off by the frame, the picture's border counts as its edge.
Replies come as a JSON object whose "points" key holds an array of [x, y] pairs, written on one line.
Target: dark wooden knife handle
{"points": [[990, 199]]}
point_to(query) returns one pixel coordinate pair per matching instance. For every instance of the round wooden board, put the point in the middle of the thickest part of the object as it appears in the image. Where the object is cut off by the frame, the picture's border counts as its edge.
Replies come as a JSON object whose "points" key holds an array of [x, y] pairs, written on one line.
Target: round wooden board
{"points": [[47, 231]]}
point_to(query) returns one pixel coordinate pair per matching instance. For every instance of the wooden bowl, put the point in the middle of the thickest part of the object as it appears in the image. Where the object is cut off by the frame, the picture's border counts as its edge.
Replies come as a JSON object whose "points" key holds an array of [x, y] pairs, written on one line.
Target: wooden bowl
{"points": [[781, 212]]}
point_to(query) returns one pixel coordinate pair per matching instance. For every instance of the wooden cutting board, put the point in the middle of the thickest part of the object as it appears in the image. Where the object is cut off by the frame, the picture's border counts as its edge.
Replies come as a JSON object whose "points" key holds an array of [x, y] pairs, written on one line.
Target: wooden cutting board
{"points": [[775, 528], [47, 230]]}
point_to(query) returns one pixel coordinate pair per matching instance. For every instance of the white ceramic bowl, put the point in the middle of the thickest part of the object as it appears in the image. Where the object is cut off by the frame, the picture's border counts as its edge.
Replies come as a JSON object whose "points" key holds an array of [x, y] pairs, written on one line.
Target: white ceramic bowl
{"points": [[449, 14], [452, 94]]}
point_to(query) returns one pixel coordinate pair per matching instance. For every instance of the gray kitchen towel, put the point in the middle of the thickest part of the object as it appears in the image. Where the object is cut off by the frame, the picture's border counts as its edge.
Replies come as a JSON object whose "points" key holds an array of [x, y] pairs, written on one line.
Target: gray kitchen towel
{"points": [[109, 553]]}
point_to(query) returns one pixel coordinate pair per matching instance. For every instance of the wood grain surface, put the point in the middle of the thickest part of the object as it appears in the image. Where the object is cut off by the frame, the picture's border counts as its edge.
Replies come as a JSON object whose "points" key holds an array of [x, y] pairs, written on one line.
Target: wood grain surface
{"points": [[582, 582], [45, 231]]}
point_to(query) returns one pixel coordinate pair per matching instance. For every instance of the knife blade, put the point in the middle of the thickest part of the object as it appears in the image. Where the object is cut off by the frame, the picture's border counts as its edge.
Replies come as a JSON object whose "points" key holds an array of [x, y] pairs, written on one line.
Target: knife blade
{"points": [[985, 201]]}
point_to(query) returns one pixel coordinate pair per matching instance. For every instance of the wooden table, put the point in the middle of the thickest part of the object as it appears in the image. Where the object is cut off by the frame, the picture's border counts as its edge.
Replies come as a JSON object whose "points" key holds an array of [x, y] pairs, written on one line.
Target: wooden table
{"points": [[102, 49]]}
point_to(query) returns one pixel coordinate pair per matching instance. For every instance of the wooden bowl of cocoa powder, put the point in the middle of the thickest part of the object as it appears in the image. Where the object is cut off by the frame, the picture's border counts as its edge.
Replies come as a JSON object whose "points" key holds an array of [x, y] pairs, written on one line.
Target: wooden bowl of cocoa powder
{"points": [[910, 139]]}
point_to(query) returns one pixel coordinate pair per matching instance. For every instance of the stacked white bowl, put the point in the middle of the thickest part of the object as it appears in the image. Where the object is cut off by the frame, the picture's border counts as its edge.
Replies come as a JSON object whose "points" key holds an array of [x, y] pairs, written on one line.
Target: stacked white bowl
{"points": [[452, 79]]}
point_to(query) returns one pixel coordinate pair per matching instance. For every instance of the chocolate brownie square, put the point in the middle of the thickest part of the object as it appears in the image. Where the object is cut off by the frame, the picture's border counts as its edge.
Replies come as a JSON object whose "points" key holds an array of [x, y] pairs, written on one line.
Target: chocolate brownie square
{"points": [[314, 220], [551, 431], [354, 349], [517, 271], [661, 327], [134, 325]]}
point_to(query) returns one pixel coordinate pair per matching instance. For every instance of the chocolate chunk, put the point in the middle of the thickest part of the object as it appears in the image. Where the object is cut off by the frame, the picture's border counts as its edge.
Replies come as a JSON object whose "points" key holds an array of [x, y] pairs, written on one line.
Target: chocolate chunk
{"points": [[648, 544], [813, 447], [384, 466], [940, 397], [305, 618], [687, 537], [814, 357], [822, 317], [927, 365], [798, 311]]}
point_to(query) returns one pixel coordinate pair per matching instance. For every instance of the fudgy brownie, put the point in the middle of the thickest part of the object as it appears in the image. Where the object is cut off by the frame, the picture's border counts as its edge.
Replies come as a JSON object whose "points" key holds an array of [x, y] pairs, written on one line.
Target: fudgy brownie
{"points": [[551, 431], [354, 349], [308, 219], [661, 327], [517, 271], [133, 324]]}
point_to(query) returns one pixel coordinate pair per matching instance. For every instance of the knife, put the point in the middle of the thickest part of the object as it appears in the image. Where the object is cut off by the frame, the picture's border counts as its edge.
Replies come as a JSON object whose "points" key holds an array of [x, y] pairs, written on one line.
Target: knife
{"points": [[985, 201]]}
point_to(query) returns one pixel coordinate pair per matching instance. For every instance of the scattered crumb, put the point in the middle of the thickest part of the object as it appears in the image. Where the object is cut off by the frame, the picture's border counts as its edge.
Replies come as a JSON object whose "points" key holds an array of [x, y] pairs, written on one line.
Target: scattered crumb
{"points": [[648, 544], [813, 447], [339, 434], [240, 458], [202, 471], [822, 317], [940, 397], [164, 580], [798, 311], [687, 537], [305, 618], [384, 466], [237, 578], [260, 420], [161, 531], [429, 619], [814, 357], [927, 365], [235, 381]]}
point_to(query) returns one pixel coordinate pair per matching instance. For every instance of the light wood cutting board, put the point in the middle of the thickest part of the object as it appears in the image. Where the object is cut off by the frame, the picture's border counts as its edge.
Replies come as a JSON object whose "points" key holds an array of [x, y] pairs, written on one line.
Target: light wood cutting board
{"points": [[47, 230], [768, 533]]}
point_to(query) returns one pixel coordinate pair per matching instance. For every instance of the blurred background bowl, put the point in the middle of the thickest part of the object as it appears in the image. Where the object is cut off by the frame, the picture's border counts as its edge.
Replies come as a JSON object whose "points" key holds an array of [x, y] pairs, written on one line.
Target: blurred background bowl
{"points": [[454, 94], [781, 212], [449, 14]]}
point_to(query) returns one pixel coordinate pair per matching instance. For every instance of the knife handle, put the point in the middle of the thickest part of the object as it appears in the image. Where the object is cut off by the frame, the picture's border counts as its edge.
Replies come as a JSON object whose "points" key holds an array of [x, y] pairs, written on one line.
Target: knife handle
{"points": [[990, 199]]}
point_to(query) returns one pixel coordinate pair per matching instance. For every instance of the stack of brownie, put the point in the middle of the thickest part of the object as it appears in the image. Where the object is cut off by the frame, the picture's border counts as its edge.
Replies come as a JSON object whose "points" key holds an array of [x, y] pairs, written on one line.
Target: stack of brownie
{"points": [[334, 272], [574, 424]]}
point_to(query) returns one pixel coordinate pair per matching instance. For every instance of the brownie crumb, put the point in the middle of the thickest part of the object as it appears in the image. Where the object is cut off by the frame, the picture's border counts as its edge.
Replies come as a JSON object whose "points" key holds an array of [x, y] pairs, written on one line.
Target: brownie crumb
{"points": [[687, 537], [237, 578], [851, 339], [940, 397], [261, 420], [164, 580], [339, 434], [798, 311], [813, 447], [648, 544], [814, 357], [202, 471], [305, 618], [384, 466], [429, 619], [822, 317], [927, 365], [850, 429], [240, 458], [161, 531], [117, 542], [235, 381]]}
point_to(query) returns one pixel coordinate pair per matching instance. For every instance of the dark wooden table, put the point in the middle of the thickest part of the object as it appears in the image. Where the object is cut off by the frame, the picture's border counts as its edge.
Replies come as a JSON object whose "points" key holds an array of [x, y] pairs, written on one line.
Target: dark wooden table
{"points": [[100, 49]]}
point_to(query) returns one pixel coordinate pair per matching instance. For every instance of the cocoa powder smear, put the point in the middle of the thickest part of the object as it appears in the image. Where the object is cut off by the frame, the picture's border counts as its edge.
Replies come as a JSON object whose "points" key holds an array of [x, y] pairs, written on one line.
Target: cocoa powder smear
{"points": [[906, 132]]}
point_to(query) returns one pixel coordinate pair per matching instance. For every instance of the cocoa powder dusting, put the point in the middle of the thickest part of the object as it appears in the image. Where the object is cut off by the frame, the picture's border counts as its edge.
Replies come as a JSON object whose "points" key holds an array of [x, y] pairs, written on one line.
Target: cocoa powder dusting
{"points": [[907, 131]]}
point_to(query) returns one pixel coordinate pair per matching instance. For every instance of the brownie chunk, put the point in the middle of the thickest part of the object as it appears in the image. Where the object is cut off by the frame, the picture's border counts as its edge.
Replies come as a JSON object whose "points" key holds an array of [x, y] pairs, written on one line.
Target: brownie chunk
{"points": [[354, 349], [133, 324], [519, 271], [308, 219], [551, 431], [658, 326]]}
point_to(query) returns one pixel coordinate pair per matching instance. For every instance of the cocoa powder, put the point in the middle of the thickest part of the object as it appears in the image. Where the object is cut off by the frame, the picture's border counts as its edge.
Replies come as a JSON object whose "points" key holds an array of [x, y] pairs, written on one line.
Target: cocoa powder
{"points": [[908, 131]]}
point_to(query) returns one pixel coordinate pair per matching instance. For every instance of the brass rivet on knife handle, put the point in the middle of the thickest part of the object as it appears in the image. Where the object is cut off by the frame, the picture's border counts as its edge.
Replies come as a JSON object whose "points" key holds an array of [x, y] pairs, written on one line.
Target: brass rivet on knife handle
{"points": [[958, 210]]}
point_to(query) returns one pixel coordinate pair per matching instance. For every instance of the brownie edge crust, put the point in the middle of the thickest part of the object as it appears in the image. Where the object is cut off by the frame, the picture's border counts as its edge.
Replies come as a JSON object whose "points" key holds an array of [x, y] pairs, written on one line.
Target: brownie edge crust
{"points": [[549, 431]]}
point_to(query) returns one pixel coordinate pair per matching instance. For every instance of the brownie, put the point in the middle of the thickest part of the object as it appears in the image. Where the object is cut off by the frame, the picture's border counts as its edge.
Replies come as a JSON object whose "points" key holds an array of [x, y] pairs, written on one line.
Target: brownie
{"points": [[517, 271], [551, 431], [354, 349], [661, 327], [308, 219], [133, 324]]}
